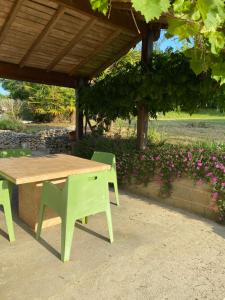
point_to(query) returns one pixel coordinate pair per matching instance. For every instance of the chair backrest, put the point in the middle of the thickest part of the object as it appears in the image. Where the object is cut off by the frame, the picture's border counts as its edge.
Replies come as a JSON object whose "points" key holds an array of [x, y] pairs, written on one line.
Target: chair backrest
{"points": [[86, 193], [105, 158], [15, 153]]}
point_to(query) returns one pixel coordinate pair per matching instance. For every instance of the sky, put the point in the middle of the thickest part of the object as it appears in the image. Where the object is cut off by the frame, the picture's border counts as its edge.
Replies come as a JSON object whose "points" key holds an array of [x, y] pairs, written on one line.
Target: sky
{"points": [[163, 44], [2, 91]]}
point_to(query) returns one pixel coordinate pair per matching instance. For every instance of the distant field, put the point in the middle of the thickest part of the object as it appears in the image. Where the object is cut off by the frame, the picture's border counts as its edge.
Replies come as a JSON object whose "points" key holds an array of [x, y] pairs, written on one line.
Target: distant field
{"points": [[201, 115], [190, 131], [205, 126]]}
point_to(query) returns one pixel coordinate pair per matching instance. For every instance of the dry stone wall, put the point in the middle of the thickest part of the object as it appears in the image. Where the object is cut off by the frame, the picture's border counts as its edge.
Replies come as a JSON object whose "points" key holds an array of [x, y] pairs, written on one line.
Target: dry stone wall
{"points": [[51, 141]]}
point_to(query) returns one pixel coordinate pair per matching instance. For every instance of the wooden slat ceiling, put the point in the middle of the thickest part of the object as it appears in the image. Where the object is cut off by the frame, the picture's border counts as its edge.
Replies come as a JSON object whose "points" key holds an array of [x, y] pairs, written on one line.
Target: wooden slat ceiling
{"points": [[59, 41]]}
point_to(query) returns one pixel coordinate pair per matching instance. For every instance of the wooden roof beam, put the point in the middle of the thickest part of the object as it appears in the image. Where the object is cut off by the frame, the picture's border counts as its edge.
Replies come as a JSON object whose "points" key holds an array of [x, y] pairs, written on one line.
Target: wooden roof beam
{"points": [[59, 12], [116, 17], [121, 53], [97, 50], [10, 18], [13, 71], [76, 39]]}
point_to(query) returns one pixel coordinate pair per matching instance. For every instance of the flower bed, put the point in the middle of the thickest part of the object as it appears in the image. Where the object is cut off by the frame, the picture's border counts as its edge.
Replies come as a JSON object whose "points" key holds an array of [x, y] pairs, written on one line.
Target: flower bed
{"points": [[166, 163]]}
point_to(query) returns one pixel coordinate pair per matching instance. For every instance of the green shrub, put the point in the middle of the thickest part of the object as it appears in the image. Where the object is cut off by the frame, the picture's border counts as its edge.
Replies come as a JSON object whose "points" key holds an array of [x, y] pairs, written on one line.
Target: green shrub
{"points": [[15, 125], [165, 162]]}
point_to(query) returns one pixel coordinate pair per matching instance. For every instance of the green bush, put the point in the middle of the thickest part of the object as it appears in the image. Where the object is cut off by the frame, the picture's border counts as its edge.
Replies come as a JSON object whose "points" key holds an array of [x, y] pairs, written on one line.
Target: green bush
{"points": [[166, 163], [15, 125]]}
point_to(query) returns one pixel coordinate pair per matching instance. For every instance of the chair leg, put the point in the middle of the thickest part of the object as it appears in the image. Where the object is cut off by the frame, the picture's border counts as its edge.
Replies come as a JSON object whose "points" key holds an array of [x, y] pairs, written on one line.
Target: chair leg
{"points": [[9, 221], [115, 184], [67, 229], [40, 220], [109, 222]]}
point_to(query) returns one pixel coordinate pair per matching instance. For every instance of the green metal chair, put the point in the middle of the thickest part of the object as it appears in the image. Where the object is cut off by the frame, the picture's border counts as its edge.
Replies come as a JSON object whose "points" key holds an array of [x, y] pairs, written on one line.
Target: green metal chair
{"points": [[83, 195], [6, 189], [5, 194], [109, 159]]}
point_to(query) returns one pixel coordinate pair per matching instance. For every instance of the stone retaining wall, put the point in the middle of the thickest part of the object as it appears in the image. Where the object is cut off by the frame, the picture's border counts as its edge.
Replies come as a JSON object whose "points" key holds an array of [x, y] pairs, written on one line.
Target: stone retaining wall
{"points": [[185, 194], [52, 140]]}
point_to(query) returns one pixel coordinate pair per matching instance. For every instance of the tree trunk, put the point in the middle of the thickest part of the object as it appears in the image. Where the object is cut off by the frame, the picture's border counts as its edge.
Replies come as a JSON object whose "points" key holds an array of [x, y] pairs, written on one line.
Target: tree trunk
{"points": [[79, 114], [148, 37]]}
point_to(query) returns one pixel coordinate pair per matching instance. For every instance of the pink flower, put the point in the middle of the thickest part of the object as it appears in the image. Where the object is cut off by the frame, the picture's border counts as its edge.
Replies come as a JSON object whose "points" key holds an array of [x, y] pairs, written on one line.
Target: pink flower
{"points": [[157, 157], [214, 158], [215, 196], [214, 179], [209, 174], [189, 155], [223, 184], [199, 163]]}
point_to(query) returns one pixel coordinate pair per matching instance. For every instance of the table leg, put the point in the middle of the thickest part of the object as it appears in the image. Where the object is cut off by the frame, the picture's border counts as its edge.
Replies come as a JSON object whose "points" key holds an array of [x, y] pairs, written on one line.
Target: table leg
{"points": [[29, 200]]}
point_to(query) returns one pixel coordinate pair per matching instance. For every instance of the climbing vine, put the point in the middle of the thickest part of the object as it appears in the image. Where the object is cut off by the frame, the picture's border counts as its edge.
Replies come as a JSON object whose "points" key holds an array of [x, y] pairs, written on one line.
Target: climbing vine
{"points": [[167, 85], [202, 22]]}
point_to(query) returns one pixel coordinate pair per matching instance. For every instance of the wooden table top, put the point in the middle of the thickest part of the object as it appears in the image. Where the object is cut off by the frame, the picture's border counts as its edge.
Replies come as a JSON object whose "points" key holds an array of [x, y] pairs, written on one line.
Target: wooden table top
{"points": [[22, 170]]}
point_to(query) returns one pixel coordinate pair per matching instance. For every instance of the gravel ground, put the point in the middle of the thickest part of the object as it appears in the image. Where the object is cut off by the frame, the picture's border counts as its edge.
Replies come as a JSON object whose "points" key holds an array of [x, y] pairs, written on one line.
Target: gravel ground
{"points": [[158, 253]]}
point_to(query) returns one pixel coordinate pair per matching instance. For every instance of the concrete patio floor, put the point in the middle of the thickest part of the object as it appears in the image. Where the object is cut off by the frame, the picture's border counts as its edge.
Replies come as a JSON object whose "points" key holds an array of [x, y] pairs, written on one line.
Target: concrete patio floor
{"points": [[158, 253]]}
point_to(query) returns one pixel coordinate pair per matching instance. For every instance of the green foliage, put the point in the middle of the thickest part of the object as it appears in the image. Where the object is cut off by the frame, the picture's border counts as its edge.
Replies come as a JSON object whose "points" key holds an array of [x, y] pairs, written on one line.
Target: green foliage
{"points": [[51, 102], [152, 9], [167, 84], [15, 125], [201, 20], [165, 163], [101, 5], [44, 102]]}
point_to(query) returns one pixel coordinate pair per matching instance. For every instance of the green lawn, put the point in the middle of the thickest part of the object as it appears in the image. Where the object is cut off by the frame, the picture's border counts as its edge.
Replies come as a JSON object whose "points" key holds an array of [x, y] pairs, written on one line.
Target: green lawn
{"points": [[179, 127], [210, 114]]}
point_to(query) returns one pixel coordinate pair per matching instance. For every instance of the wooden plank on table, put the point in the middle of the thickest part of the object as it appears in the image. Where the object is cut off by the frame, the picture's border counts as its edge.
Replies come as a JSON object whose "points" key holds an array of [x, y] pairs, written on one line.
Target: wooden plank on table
{"points": [[37, 169]]}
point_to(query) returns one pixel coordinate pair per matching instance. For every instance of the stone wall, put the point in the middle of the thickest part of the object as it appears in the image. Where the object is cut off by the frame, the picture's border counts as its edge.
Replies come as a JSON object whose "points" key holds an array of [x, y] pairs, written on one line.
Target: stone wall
{"points": [[185, 194], [51, 141]]}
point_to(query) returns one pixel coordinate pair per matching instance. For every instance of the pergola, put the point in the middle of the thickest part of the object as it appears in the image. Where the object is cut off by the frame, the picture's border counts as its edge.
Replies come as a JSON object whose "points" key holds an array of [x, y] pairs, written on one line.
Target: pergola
{"points": [[66, 43]]}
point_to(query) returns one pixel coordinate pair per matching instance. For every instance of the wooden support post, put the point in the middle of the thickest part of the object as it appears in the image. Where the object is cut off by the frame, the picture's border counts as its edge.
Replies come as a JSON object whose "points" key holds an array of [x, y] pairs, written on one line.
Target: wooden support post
{"points": [[79, 113], [148, 37]]}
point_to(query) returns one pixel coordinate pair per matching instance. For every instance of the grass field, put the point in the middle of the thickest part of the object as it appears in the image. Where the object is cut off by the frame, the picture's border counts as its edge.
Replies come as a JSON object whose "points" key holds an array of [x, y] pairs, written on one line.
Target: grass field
{"points": [[209, 114], [179, 127], [175, 127]]}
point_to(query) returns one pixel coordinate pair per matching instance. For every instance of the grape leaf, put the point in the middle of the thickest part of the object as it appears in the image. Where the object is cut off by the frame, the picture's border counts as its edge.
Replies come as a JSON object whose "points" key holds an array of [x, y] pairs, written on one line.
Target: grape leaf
{"points": [[217, 41], [100, 5], [198, 62], [218, 72], [151, 9], [182, 28], [212, 12]]}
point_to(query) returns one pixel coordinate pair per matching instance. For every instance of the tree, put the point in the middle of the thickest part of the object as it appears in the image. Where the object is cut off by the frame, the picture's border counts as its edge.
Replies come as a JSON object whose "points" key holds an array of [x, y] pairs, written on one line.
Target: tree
{"points": [[200, 20], [44, 102], [168, 84]]}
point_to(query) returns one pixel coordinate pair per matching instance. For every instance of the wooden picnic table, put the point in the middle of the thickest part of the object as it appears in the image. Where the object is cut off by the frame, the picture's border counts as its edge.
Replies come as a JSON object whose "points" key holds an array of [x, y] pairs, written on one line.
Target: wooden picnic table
{"points": [[30, 172]]}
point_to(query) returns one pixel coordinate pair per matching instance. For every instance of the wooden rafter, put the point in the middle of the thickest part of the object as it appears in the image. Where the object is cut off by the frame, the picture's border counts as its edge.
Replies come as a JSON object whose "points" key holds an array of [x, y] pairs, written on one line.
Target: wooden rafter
{"points": [[122, 52], [59, 12], [76, 39], [97, 50], [116, 18], [10, 19], [13, 71]]}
